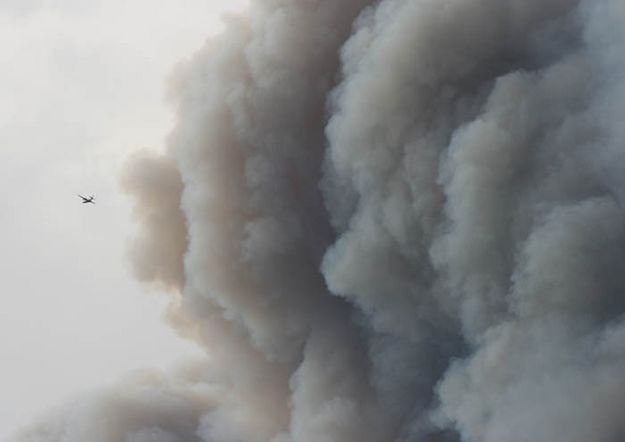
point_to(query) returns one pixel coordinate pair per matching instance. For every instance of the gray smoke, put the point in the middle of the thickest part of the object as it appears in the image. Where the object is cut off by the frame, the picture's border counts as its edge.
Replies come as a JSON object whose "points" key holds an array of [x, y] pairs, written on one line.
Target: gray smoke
{"points": [[398, 220]]}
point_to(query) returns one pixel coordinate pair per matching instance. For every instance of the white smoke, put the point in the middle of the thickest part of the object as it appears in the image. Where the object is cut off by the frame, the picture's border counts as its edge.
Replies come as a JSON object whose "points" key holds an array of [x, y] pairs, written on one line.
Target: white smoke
{"points": [[387, 221]]}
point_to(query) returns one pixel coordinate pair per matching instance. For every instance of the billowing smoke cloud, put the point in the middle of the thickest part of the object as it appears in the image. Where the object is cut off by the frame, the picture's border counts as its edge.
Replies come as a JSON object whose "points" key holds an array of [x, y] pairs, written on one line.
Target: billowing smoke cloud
{"points": [[398, 220]]}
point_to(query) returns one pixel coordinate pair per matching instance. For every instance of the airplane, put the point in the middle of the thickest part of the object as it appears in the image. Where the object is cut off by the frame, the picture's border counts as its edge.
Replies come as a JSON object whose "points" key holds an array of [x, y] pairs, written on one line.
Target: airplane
{"points": [[87, 200]]}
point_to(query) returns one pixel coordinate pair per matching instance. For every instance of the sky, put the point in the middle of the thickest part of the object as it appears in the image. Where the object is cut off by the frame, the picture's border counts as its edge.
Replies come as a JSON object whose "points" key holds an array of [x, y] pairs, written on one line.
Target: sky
{"points": [[83, 86]]}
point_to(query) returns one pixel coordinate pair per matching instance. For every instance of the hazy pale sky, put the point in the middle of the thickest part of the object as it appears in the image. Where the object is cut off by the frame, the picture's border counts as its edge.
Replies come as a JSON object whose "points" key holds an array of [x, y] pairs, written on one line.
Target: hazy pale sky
{"points": [[82, 86]]}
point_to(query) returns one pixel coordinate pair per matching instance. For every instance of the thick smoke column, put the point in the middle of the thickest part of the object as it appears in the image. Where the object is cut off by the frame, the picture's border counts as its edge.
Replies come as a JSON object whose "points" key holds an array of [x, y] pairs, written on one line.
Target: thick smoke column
{"points": [[387, 221]]}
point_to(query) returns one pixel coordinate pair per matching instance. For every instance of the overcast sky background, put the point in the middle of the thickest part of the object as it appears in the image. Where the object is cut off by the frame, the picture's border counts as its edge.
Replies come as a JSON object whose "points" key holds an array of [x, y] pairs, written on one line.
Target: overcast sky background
{"points": [[82, 86]]}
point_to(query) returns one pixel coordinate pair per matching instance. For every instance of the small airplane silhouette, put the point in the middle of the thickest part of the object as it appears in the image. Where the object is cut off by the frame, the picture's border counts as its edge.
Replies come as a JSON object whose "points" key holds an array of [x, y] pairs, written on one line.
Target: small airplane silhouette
{"points": [[87, 200]]}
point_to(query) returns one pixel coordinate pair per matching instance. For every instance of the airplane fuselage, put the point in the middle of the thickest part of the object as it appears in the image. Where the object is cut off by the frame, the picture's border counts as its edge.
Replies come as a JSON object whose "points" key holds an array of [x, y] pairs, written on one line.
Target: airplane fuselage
{"points": [[87, 200]]}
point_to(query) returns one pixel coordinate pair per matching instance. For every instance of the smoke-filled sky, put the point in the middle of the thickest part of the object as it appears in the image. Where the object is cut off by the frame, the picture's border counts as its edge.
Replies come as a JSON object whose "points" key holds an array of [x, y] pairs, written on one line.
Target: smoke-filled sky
{"points": [[83, 85], [398, 220]]}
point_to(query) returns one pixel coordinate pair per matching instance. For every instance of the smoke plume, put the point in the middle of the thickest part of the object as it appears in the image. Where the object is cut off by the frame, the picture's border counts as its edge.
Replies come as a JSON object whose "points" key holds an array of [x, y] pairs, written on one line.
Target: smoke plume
{"points": [[398, 220]]}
